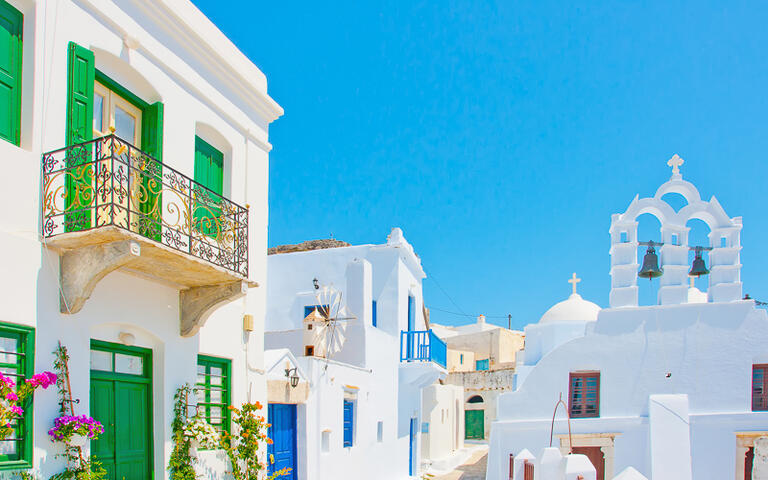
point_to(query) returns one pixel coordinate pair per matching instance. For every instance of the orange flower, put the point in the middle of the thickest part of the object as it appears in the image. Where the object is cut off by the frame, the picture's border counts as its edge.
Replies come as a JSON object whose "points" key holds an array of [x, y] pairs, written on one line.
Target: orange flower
{"points": [[244, 434], [258, 406], [269, 441], [231, 407]]}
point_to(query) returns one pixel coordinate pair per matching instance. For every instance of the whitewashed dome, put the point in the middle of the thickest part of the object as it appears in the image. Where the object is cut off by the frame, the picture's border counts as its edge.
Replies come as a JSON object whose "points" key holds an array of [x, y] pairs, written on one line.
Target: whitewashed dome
{"points": [[573, 310]]}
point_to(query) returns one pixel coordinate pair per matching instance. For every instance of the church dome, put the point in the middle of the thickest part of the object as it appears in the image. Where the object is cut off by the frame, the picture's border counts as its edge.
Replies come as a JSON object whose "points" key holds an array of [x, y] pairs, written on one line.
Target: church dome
{"points": [[573, 310]]}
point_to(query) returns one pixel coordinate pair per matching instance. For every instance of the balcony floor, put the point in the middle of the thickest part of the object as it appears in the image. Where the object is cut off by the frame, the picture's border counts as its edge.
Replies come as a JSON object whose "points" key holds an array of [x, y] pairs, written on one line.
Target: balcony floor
{"points": [[156, 260]]}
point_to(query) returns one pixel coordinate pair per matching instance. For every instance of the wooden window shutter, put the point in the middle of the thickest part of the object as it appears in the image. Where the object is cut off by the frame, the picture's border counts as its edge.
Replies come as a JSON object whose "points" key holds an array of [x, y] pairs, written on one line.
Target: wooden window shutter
{"points": [[584, 395], [11, 23], [760, 387], [81, 75]]}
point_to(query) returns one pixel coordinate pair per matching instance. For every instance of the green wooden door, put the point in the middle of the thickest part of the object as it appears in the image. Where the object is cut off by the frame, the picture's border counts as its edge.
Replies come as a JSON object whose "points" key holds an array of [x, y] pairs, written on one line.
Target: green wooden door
{"points": [[121, 386], [474, 424], [209, 172], [10, 72]]}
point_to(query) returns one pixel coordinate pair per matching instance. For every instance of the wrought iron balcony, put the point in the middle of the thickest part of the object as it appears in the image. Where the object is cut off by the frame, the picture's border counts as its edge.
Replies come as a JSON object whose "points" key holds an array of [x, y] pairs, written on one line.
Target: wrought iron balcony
{"points": [[94, 190], [422, 346]]}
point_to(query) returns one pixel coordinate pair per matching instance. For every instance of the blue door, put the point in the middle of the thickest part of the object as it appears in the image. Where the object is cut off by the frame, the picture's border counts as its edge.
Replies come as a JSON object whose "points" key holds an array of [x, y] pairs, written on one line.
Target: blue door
{"points": [[412, 449], [411, 326], [282, 453]]}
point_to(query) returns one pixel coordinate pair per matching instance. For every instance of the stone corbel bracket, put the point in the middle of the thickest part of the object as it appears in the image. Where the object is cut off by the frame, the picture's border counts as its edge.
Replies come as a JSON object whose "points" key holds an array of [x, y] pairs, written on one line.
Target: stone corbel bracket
{"points": [[196, 304], [81, 269]]}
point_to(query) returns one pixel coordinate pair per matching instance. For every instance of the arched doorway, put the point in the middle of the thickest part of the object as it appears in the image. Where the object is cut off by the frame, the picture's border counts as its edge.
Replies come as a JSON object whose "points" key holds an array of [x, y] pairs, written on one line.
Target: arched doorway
{"points": [[474, 419]]}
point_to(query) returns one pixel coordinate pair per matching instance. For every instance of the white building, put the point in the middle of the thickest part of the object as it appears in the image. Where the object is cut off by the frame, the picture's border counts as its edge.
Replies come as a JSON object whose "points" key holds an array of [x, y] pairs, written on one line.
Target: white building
{"points": [[481, 361], [674, 390], [356, 409], [130, 250]]}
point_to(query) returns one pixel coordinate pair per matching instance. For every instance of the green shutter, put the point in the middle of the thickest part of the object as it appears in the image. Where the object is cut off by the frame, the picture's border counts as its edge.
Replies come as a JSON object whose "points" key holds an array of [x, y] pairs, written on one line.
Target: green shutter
{"points": [[152, 176], [214, 383], [81, 75], [11, 21], [209, 172], [79, 179]]}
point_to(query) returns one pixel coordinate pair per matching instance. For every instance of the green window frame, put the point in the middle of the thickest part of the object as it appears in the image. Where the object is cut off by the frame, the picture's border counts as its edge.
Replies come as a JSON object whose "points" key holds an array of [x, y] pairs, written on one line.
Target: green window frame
{"points": [[214, 384], [18, 363], [11, 26]]}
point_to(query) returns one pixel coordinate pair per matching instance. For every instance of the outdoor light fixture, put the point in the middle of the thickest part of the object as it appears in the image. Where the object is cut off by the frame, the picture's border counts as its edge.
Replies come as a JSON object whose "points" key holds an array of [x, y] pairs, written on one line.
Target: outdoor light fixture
{"points": [[314, 282], [294, 378]]}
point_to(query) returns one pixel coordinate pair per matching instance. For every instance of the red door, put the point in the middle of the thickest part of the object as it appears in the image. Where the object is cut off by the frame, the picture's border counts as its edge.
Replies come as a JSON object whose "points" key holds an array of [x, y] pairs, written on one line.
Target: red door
{"points": [[750, 455], [595, 455]]}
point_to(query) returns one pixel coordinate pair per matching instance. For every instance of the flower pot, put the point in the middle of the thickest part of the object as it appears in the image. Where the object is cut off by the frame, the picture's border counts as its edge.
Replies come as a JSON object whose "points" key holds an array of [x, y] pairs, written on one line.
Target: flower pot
{"points": [[78, 440]]}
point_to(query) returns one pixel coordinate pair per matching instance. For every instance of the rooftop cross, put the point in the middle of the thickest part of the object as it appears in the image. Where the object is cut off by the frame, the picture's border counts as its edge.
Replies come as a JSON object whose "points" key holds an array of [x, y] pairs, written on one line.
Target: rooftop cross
{"points": [[573, 281], [675, 162]]}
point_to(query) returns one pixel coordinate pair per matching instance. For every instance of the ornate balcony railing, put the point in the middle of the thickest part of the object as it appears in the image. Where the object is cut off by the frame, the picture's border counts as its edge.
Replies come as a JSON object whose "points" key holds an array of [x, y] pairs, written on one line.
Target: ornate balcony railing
{"points": [[109, 182], [422, 346]]}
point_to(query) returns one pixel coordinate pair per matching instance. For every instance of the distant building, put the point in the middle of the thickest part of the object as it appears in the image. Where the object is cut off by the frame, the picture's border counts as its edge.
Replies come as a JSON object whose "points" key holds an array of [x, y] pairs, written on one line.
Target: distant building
{"points": [[349, 355], [481, 360]]}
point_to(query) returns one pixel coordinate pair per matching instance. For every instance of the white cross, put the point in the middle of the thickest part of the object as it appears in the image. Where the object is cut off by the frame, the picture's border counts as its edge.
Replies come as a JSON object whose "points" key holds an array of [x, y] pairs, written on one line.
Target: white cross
{"points": [[573, 281], [675, 162]]}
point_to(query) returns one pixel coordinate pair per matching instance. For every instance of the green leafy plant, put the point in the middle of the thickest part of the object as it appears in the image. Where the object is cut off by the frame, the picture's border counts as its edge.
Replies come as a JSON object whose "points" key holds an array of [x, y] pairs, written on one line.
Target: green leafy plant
{"points": [[79, 467], [242, 448], [181, 463]]}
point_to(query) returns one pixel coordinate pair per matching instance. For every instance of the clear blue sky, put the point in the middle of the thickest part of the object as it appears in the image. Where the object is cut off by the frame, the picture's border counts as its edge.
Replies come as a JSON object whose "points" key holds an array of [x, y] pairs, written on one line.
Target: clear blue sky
{"points": [[502, 136]]}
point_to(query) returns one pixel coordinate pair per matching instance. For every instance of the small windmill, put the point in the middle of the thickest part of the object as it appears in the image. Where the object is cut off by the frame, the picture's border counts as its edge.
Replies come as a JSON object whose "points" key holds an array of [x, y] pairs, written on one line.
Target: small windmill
{"points": [[326, 324]]}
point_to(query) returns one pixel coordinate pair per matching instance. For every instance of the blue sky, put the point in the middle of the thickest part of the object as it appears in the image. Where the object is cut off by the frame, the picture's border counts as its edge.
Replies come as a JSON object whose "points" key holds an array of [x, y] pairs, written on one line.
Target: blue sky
{"points": [[501, 136]]}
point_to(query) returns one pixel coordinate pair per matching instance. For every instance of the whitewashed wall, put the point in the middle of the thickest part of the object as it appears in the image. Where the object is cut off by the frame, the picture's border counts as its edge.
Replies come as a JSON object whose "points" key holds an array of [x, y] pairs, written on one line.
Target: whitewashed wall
{"points": [[231, 111], [709, 349]]}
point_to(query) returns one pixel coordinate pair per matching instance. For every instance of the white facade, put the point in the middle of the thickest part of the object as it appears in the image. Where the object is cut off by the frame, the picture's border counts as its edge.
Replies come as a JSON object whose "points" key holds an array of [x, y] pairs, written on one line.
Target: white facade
{"points": [[161, 51], [365, 368], [692, 359]]}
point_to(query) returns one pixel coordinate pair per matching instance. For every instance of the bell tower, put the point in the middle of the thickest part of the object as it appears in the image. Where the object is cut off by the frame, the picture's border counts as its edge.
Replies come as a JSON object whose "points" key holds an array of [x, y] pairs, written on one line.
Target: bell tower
{"points": [[724, 241]]}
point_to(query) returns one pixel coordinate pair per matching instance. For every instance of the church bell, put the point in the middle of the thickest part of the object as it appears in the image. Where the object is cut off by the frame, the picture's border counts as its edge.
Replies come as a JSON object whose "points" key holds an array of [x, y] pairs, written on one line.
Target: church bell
{"points": [[698, 267], [650, 263]]}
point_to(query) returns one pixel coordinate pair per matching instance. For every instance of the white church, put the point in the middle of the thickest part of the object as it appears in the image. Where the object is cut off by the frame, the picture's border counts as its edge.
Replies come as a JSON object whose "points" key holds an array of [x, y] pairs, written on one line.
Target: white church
{"points": [[675, 390]]}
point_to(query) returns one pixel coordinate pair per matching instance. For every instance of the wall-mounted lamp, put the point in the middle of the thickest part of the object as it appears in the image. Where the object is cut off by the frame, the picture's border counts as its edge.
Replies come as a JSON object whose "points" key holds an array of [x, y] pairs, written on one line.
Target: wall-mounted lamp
{"points": [[293, 377], [315, 283]]}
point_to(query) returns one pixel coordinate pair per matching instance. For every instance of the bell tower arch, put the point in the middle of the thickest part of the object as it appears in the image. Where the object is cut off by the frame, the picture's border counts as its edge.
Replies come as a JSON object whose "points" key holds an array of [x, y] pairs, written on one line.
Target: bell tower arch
{"points": [[724, 239]]}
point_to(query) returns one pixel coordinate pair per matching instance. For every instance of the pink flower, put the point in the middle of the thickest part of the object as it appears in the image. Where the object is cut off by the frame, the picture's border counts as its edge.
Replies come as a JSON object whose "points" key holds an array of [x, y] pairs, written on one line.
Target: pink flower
{"points": [[17, 409], [45, 379], [12, 397]]}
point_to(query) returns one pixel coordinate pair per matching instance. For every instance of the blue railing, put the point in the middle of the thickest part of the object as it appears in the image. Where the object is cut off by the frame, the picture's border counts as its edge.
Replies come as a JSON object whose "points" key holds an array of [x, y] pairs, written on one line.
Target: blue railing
{"points": [[422, 346]]}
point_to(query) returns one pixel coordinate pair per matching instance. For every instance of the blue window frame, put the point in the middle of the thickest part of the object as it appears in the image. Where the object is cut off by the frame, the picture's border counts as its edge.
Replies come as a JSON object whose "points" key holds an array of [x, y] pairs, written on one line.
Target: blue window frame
{"points": [[482, 364], [374, 320], [461, 358], [349, 422]]}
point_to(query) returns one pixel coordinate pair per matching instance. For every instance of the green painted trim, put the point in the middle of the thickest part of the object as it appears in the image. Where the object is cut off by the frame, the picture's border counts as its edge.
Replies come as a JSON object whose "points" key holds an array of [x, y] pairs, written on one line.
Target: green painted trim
{"points": [[103, 346], [226, 366], [17, 49], [28, 344], [113, 85]]}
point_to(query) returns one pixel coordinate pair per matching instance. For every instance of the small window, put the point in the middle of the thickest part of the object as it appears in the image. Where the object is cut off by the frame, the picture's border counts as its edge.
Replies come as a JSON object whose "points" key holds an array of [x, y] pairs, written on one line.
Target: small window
{"points": [[325, 441], [723, 242], [349, 422], [380, 431], [309, 351], [461, 359], [213, 387], [760, 387], [584, 395], [17, 360], [309, 326], [624, 237], [674, 239], [475, 399], [374, 319], [482, 364]]}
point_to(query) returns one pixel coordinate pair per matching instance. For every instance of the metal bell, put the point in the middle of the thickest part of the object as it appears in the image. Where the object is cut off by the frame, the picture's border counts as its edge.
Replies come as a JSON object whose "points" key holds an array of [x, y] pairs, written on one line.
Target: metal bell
{"points": [[650, 263], [698, 267]]}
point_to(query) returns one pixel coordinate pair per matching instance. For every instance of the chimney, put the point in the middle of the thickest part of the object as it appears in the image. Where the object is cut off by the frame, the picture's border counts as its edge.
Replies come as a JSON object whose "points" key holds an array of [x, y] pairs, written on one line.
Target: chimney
{"points": [[481, 320]]}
